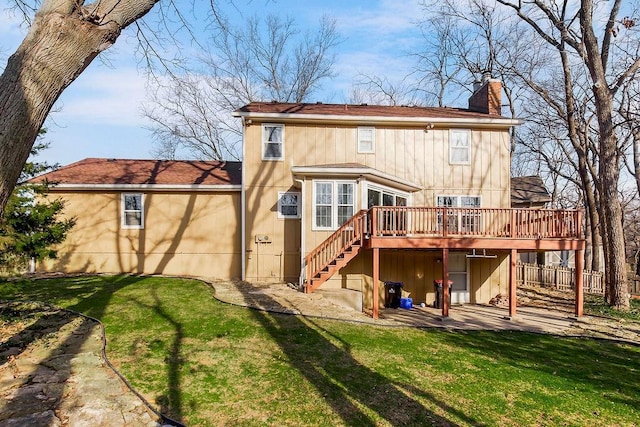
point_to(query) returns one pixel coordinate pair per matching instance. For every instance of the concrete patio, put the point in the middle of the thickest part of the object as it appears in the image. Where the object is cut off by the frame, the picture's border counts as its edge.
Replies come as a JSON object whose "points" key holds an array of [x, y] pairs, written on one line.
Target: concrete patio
{"points": [[284, 299]]}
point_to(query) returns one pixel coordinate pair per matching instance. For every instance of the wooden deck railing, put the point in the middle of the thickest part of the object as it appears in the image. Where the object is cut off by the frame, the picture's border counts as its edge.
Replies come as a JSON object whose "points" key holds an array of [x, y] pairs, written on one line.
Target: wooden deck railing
{"points": [[343, 238], [478, 222]]}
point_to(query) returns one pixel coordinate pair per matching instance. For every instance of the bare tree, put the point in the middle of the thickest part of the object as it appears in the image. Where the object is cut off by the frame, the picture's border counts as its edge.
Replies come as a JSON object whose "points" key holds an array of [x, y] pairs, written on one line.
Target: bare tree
{"points": [[543, 48], [263, 60], [572, 31], [64, 37]]}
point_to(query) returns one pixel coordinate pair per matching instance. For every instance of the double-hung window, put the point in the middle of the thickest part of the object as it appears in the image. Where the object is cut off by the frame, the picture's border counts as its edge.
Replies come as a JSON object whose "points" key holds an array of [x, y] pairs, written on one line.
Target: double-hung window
{"points": [[366, 139], [459, 146], [272, 141], [288, 205], [132, 210], [334, 203]]}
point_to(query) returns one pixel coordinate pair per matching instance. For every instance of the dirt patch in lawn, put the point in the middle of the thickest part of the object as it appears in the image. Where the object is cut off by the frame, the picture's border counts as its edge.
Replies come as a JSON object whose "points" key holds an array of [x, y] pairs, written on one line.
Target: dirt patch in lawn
{"points": [[588, 326]]}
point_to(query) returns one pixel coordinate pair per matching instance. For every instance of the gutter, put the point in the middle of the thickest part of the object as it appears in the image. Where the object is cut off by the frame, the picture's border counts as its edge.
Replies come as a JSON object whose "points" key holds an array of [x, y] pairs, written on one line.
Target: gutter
{"points": [[418, 121], [149, 187]]}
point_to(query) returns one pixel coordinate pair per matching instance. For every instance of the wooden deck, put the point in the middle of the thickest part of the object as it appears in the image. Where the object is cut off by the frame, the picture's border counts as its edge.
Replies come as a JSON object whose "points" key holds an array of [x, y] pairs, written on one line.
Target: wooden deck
{"points": [[445, 229], [474, 228]]}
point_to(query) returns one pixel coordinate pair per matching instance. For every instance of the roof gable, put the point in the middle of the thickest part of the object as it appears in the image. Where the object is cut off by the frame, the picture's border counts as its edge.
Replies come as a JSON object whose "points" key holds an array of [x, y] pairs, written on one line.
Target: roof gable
{"points": [[528, 189], [114, 172]]}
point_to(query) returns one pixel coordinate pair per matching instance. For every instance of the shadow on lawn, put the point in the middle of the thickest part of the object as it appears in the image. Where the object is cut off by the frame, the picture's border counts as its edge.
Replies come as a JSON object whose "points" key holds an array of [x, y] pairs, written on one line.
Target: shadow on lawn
{"points": [[93, 301], [171, 401], [611, 367], [344, 383]]}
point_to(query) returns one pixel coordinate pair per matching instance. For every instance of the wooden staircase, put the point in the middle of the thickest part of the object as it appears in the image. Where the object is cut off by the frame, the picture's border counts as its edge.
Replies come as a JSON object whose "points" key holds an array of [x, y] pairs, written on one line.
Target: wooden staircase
{"points": [[335, 252]]}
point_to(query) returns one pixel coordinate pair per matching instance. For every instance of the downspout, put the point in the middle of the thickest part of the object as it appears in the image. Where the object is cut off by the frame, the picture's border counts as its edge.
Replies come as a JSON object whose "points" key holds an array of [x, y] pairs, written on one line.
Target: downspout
{"points": [[243, 204], [302, 233]]}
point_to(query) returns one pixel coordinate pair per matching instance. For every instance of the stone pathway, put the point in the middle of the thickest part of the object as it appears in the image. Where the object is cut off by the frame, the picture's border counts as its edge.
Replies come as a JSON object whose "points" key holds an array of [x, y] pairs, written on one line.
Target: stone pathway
{"points": [[52, 374]]}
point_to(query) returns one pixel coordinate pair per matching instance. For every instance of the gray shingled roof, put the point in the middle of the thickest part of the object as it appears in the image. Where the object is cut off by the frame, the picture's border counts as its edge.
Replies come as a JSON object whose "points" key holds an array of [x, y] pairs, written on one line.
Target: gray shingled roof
{"points": [[528, 190]]}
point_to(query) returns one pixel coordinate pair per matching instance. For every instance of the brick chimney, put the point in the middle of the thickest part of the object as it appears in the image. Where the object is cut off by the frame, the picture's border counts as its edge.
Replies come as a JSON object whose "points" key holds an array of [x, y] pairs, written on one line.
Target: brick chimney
{"points": [[487, 96]]}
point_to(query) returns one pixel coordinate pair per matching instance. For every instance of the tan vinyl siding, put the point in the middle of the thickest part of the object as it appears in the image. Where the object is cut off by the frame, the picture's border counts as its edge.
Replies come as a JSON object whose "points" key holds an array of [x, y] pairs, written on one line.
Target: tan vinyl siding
{"points": [[195, 234], [417, 270], [413, 154]]}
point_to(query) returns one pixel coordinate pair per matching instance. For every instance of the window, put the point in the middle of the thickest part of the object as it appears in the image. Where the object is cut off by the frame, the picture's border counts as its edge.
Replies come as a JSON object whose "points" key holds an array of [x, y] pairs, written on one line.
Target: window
{"points": [[390, 222], [132, 210], [470, 219], [466, 220], [288, 205], [366, 139], [385, 197], [324, 202], [459, 146], [272, 142], [345, 202], [334, 203]]}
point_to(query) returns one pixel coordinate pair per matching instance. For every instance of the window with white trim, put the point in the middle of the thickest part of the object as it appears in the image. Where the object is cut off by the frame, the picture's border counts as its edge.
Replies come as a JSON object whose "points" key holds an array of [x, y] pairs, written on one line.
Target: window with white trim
{"points": [[272, 141], [394, 221], [366, 139], [466, 220], [333, 203], [459, 146], [288, 204], [132, 210]]}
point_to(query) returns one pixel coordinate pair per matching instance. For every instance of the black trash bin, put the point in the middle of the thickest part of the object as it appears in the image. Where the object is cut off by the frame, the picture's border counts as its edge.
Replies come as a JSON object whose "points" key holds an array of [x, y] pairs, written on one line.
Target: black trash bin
{"points": [[437, 286], [392, 294]]}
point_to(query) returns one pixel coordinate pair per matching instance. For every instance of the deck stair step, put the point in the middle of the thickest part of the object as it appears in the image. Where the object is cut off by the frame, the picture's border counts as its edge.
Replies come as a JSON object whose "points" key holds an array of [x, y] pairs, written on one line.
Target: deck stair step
{"points": [[335, 252]]}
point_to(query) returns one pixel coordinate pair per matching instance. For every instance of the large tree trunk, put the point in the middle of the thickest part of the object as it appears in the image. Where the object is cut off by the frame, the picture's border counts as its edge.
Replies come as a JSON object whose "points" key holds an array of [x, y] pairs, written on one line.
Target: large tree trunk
{"points": [[62, 41], [609, 164]]}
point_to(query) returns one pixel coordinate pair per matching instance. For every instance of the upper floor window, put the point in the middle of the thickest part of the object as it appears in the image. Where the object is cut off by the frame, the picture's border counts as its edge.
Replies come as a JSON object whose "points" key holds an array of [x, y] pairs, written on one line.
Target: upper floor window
{"points": [[272, 142], [460, 146], [366, 140], [132, 210], [288, 205], [333, 203]]}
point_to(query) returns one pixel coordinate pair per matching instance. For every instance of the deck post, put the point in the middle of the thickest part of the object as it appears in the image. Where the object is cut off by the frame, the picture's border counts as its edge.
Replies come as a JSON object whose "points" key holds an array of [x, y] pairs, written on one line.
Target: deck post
{"points": [[513, 291], [445, 282], [579, 264], [376, 279], [374, 222]]}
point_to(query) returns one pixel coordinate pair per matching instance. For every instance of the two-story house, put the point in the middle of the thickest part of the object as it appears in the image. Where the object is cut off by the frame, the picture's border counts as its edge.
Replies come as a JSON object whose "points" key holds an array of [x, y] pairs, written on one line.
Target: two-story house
{"points": [[330, 196]]}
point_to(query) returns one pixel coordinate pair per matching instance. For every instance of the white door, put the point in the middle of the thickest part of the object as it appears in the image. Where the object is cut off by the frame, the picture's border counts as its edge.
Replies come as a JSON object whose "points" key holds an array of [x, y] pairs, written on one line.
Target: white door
{"points": [[458, 274]]}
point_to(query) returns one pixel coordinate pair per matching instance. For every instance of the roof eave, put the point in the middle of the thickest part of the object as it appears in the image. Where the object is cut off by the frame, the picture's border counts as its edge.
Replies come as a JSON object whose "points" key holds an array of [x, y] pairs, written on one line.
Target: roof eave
{"points": [[147, 187], [347, 119], [368, 173]]}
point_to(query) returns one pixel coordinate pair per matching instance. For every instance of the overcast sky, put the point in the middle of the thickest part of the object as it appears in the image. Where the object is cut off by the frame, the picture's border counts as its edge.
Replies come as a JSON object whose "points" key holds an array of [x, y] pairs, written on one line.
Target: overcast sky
{"points": [[99, 114]]}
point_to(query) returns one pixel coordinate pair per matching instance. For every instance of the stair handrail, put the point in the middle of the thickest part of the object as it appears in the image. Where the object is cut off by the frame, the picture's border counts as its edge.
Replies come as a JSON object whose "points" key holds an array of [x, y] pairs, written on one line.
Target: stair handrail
{"points": [[335, 245]]}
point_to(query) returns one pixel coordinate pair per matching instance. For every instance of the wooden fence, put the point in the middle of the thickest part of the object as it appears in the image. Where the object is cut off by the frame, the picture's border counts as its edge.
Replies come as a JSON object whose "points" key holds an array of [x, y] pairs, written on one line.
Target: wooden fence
{"points": [[559, 277], [563, 278]]}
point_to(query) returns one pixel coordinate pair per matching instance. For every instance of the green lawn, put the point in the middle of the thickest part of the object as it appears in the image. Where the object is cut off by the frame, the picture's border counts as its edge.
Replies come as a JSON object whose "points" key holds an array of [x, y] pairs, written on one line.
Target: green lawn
{"points": [[208, 363]]}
